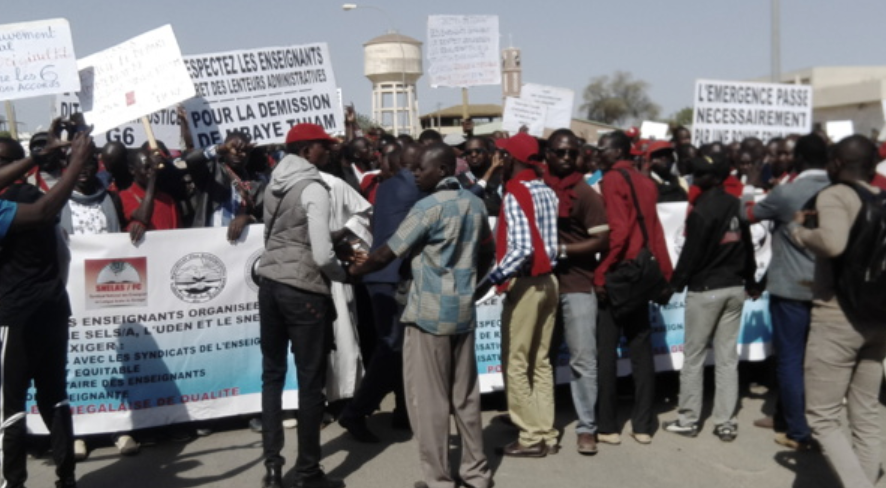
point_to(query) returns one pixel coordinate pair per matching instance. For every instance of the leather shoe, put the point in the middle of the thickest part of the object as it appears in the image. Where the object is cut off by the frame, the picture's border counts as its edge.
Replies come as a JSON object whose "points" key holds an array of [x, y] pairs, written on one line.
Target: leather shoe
{"points": [[273, 476], [515, 449], [587, 444], [765, 423], [356, 426]]}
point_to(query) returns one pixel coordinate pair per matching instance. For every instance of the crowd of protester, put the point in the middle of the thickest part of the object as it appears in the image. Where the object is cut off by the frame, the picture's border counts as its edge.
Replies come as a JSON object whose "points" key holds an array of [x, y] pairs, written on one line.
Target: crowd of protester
{"points": [[545, 223]]}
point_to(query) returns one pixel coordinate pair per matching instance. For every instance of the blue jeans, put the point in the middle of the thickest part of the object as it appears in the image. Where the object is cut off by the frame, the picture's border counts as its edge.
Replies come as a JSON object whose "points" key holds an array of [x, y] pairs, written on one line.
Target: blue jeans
{"points": [[579, 314], [790, 328]]}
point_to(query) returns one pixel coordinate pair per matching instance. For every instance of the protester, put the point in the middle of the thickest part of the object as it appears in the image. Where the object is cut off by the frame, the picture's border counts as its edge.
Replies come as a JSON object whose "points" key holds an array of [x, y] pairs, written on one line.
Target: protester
{"points": [[659, 159], [844, 355], [483, 177], [583, 233], [449, 238], [384, 370], [295, 302], [34, 312], [92, 209], [227, 193], [526, 253], [789, 283], [360, 158], [144, 206], [626, 239], [717, 265]]}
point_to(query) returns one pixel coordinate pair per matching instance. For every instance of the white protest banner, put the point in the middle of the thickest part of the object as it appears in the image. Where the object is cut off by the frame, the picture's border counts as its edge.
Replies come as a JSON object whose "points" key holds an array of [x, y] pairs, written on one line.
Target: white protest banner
{"points": [[653, 131], [133, 79], [839, 129], [559, 102], [262, 92], [519, 113], [131, 134], [463, 50], [37, 58], [730, 111]]}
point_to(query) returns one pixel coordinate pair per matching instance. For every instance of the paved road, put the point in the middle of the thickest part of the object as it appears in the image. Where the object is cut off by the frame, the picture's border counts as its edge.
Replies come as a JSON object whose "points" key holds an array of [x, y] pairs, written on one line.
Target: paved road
{"points": [[230, 458]]}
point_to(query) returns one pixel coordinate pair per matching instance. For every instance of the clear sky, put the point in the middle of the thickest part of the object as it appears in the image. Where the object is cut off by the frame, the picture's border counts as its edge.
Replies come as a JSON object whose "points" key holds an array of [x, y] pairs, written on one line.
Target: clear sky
{"points": [[564, 42]]}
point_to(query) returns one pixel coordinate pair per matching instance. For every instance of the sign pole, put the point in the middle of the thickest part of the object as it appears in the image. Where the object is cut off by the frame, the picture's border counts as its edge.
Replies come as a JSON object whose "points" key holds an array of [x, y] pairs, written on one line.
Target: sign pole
{"points": [[464, 104], [149, 132], [10, 120]]}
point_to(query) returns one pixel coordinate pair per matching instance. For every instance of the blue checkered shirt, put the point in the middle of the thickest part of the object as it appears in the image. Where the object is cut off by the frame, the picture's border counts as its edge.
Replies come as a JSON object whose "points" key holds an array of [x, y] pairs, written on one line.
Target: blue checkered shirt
{"points": [[443, 232], [518, 259]]}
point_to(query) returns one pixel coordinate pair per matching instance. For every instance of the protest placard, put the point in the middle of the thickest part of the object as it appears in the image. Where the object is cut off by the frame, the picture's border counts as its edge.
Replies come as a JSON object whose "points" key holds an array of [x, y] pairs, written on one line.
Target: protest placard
{"points": [[729, 111], [519, 113], [132, 79], [839, 129], [653, 130], [262, 92], [558, 102], [131, 134], [463, 50], [37, 58]]}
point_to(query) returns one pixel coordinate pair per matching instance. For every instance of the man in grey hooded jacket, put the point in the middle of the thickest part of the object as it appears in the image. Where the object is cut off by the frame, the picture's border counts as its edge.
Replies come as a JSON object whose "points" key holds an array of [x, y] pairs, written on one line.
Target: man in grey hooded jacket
{"points": [[295, 302]]}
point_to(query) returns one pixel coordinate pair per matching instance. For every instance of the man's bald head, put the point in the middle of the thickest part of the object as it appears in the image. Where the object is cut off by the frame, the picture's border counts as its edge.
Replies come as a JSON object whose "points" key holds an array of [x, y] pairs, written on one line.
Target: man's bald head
{"points": [[438, 161]]}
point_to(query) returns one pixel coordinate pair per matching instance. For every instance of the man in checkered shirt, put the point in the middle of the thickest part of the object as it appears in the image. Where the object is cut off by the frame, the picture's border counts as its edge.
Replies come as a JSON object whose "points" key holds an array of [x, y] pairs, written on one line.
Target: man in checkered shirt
{"points": [[446, 235]]}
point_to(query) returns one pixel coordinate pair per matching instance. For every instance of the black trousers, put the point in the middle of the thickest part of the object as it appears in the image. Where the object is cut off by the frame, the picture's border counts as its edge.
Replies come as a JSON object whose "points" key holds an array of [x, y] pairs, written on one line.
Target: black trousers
{"points": [[385, 371], [37, 350], [301, 321], [637, 331]]}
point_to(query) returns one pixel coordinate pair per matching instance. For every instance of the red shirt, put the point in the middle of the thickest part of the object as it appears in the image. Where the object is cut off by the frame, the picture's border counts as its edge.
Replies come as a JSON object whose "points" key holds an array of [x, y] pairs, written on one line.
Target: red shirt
{"points": [[165, 215], [879, 181], [625, 236]]}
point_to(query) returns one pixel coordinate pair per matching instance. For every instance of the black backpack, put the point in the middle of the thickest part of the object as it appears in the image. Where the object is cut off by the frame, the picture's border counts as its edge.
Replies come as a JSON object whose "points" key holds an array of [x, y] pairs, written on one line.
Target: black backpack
{"points": [[860, 272]]}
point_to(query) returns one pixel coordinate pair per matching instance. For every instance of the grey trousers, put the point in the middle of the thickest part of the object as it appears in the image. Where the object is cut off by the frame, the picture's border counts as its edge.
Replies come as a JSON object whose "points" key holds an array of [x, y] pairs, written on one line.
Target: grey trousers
{"points": [[844, 360], [439, 378], [711, 314]]}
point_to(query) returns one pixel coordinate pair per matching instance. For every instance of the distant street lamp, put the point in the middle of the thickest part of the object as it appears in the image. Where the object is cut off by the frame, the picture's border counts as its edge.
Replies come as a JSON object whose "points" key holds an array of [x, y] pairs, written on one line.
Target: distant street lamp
{"points": [[351, 6]]}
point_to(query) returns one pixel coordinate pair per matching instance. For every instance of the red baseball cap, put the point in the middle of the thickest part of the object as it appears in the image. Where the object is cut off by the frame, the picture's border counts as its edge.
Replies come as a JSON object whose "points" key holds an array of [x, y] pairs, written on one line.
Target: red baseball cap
{"points": [[521, 147], [307, 132], [632, 132], [656, 146]]}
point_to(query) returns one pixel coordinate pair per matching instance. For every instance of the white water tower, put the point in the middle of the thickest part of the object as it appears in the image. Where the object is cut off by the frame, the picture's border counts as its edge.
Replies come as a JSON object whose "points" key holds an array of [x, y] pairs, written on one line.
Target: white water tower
{"points": [[393, 64]]}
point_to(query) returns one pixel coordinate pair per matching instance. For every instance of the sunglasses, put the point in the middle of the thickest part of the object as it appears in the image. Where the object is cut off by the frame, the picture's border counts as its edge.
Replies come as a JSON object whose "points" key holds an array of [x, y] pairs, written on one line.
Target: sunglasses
{"points": [[479, 151], [562, 153]]}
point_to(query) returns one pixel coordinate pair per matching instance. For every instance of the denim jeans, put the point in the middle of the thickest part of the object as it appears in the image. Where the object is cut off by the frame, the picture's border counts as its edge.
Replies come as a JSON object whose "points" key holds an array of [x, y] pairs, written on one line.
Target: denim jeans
{"points": [[579, 314], [302, 321], [790, 329]]}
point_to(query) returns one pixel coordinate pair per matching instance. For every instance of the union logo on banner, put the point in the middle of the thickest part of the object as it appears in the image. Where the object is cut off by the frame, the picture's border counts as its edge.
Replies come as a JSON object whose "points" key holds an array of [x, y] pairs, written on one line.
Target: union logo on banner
{"points": [[120, 282]]}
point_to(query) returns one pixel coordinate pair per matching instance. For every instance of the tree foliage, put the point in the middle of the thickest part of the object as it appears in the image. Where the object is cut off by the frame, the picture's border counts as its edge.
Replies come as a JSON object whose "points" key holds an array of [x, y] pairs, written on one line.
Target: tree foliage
{"points": [[682, 117], [618, 100]]}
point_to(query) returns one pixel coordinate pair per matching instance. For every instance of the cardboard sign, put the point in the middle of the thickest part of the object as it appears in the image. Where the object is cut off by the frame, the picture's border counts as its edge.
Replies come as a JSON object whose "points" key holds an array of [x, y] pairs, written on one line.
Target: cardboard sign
{"points": [[37, 58], [463, 50], [729, 111], [262, 92], [519, 113], [140, 76], [164, 123], [559, 102], [657, 131], [839, 129]]}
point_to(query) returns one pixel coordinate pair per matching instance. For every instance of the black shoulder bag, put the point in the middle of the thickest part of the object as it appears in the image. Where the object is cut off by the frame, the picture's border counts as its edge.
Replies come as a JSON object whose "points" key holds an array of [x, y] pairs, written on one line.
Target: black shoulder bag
{"points": [[633, 283]]}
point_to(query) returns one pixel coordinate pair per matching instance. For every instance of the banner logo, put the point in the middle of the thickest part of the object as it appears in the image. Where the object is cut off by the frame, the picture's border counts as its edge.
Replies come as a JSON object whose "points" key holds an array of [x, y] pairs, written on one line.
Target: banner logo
{"points": [[251, 271], [198, 277], [121, 282]]}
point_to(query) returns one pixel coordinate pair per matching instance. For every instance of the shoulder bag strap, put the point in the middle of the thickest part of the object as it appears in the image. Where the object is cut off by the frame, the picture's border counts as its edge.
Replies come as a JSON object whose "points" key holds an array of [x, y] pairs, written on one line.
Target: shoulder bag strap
{"points": [[640, 220]]}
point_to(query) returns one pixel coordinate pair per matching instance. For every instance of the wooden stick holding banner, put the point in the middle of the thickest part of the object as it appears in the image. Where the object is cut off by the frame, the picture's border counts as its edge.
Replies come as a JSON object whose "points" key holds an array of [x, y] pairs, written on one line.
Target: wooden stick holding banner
{"points": [[10, 120], [149, 132], [464, 104]]}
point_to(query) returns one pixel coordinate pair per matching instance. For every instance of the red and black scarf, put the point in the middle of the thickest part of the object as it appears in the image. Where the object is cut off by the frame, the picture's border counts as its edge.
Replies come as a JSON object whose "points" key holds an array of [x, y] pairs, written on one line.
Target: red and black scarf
{"points": [[563, 187], [541, 264]]}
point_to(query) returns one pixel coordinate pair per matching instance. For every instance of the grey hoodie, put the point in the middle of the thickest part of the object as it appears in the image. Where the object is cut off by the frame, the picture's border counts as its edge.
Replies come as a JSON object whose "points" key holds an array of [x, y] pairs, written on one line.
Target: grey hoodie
{"points": [[298, 247]]}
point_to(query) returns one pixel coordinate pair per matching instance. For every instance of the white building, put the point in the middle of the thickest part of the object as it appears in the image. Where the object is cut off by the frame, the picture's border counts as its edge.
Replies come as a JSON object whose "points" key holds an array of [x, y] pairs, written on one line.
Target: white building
{"points": [[393, 63]]}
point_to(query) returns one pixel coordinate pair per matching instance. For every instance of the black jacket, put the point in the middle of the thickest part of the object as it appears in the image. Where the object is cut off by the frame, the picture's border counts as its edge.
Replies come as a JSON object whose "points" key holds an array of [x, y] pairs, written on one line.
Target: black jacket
{"points": [[718, 252]]}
